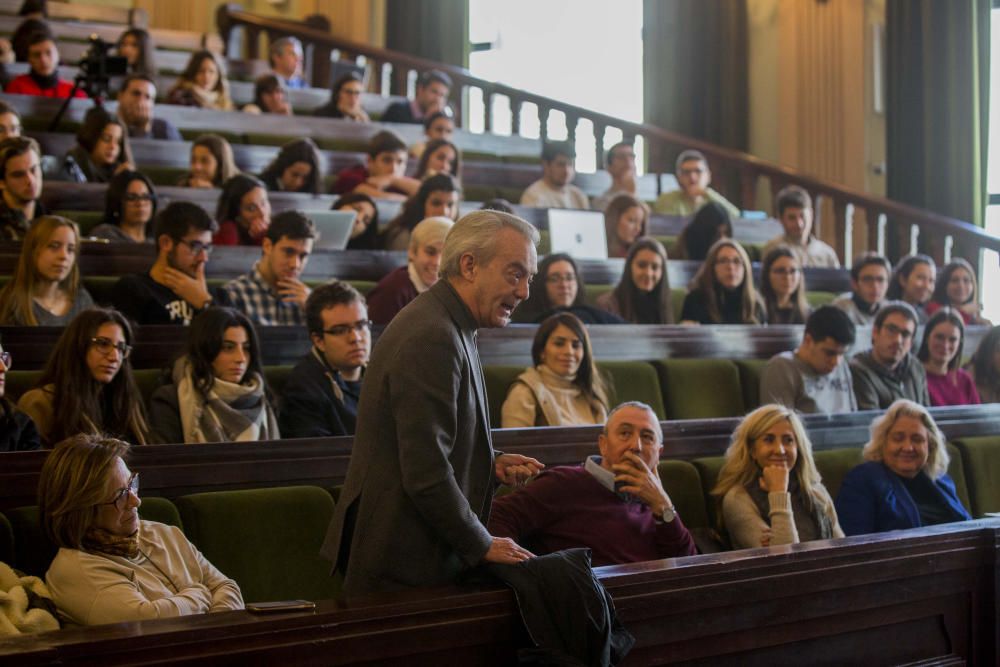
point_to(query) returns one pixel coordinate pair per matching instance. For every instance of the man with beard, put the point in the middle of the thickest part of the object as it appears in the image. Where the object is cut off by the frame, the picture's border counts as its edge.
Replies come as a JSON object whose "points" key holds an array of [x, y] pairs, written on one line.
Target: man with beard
{"points": [[174, 290], [888, 371], [136, 103], [271, 293], [20, 186]]}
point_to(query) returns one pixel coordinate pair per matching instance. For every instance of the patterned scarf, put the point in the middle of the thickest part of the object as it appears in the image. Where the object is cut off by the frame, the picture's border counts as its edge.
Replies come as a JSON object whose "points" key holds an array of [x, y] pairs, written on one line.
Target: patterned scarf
{"points": [[102, 541]]}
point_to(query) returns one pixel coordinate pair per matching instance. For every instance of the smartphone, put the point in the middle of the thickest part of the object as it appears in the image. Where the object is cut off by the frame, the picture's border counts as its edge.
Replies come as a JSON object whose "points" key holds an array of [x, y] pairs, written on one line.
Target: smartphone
{"points": [[280, 606]]}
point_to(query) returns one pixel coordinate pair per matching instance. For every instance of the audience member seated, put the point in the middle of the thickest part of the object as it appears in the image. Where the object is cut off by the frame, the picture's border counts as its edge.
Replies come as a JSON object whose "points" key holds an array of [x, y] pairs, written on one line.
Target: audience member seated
{"points": [[613, 504], [34, 15], [888, 371], [42, 79], [285, 56], [564, 387], [815, 377], [10, 121], [769, 490], [558, 287], [438, 196], [17, 431], [625, 219], [175, 288], [620, 162], [320, 398], [440, 156], [45, 289], [345, 100], [112, 566], [404, 284], [722, 292], [212, 163], [984, 367], [364, 234], [555, 188], [642, 295], [136, 106], [432, 96], [869, 281], [384, 177], [904, 481], [217, 391], [693, 178], [129, 207], [87, 385], [20, 185], [271, 293], [137, 47], [709, 224], [243, 211], [957, 288], [941, 353], [202, 84], [269, 96], [102, 149], [795, 213], [912, 281], [438, 125], [298, 167], [783, 287]]}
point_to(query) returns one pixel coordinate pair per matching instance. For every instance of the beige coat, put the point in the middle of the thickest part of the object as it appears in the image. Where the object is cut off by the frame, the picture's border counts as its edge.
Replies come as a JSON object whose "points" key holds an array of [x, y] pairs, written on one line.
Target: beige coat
{"points": [[170, 578]]}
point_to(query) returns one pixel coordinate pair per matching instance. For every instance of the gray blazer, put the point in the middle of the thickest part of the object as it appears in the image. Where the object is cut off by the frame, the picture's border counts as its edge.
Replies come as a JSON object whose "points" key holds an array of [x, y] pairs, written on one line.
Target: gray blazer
{"points": [[421, 479]]}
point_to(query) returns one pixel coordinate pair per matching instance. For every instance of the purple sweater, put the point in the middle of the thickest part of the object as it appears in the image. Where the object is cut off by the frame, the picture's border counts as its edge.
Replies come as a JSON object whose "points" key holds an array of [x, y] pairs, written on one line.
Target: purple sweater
{"points": [[955, 388], [566, 507]]}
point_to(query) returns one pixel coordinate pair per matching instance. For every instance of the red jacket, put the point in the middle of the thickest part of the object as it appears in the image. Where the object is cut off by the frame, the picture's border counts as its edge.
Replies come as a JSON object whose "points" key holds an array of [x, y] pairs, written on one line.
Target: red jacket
{"points": [[25, 85]]}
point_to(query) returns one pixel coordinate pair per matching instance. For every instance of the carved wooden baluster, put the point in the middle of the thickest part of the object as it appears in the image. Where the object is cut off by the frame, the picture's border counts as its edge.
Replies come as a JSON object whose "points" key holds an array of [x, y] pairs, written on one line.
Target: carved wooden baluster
{"points": [[599, 131], [543, 123], [487, 110], [515, 116], [914, 239], [571, 122], [842, 226], [456, 104], [748, 188]]}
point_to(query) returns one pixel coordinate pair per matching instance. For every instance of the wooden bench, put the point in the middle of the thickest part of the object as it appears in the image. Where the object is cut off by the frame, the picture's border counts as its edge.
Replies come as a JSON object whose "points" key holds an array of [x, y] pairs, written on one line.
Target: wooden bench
{"points": [[66, 11], [179, 40]]}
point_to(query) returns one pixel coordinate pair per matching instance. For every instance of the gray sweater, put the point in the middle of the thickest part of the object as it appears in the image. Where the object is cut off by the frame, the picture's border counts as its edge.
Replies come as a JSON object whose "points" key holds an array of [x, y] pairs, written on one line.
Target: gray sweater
{"points": [[877, 387], [791, 382]]}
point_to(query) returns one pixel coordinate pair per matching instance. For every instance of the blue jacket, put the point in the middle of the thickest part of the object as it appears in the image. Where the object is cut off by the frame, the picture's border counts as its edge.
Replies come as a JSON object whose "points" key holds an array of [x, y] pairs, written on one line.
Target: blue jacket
{"points": [[873, 499]]}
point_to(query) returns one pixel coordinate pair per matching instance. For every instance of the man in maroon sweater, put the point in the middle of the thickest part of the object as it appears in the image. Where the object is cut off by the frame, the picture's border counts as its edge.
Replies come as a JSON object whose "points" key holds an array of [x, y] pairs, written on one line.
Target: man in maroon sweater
{"points": [[614, 504]]}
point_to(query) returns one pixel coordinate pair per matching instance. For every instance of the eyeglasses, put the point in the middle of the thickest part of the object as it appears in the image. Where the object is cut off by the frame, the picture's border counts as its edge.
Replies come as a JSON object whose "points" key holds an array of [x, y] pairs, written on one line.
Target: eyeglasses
{"points": [[6, 360], [555, 278], [905, 334], [872, 280], [132, 198], [344, 329], [197, 247], [106, 346], [121, 496]]}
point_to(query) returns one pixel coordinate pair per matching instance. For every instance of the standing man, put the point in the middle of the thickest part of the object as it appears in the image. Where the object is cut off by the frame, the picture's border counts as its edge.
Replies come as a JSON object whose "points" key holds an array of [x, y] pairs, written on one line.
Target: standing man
{"points": [[20, 185], [433, 87], [621, 166], [286, 61], [423, 470]]}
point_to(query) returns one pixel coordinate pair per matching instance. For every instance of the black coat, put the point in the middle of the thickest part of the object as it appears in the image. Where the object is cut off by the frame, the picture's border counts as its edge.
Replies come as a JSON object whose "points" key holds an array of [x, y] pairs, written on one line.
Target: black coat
{"points": [[309, 406], [17, 432]]}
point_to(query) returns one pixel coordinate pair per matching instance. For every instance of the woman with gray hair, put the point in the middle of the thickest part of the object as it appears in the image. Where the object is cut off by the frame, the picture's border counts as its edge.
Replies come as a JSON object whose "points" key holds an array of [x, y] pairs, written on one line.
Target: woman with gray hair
{"points": [[903, 483], [404, 284]]}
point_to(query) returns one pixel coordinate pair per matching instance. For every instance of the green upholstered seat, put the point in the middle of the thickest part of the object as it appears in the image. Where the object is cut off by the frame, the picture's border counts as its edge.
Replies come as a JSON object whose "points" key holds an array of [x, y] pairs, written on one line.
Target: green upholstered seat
{"points": [[633, 381], [700, 388], [162, 175], [677, 294], [276, 377], [33, 552], [498, 380], [363, 286], [834, 464], [668, 243], [754, 250], [682, 483], [18, 382], [148, 380], [956, 469], [100, 288], [750, 371], [817, 299], [544, 242], [268, 540], [6, 541], [981, 461], [479, 192], [85, 220], [591, 292], [708, 471]]}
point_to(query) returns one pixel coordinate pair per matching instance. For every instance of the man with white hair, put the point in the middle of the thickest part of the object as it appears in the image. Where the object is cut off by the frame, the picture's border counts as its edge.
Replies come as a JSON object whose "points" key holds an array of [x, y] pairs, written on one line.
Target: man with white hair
{"points": [[423, 470]]}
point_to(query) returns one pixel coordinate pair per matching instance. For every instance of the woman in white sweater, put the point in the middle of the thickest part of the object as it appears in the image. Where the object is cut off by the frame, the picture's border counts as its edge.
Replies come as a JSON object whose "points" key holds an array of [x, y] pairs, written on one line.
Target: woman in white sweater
{"points": [[564, 387], [769, 489]]}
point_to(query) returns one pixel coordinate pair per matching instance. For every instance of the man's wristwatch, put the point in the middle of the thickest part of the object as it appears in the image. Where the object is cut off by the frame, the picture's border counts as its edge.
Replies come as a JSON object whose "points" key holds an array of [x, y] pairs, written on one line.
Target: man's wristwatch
{"points": [[669, 514]]}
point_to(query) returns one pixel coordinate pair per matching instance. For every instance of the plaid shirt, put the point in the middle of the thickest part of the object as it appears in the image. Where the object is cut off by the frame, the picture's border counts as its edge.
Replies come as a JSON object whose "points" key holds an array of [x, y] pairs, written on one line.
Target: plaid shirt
{"points": [[251, 294]]}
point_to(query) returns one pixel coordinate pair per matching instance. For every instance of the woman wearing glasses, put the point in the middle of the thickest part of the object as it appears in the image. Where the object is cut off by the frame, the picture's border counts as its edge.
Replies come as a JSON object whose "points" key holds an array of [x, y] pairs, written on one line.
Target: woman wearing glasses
{"points": [[129, 207], [783, 287], [87, 385], [217, 391], [722, 291], [17, 431], [112, 566], [558, 287], [564, 387], [642, 296], [45, 289]]}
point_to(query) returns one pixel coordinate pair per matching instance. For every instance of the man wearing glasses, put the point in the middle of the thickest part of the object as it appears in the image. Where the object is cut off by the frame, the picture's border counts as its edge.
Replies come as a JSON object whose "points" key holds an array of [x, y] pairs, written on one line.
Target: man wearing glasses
{"points": [[174, 290], [888, 371], [321, 395]]}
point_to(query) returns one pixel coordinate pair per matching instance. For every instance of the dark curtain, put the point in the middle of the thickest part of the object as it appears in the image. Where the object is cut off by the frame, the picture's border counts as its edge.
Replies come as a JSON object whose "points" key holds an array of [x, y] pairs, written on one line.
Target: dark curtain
{"points": [[695, 70], [937, 111], [434, 29]]}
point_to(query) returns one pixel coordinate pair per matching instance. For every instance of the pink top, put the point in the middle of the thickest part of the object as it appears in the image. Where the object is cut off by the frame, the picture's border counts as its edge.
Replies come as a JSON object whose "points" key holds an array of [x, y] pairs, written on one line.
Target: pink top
{"points": [[954, 388], [932, 307]]}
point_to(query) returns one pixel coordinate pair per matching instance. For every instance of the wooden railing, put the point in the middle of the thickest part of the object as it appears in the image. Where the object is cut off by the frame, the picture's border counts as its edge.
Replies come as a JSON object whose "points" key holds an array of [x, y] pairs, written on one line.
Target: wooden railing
{"points": [[850, 220]]}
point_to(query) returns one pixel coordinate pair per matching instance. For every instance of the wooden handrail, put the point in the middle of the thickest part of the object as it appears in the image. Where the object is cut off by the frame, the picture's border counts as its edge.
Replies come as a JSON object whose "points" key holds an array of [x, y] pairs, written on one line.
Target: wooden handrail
{"points": [[912, 229]]}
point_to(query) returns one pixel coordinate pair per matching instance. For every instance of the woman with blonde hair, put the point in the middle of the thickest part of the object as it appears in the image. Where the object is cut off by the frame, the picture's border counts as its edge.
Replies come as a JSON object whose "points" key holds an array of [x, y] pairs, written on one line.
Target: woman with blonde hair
{"points": [[769, 489], [904, 481], [202, 84], [45, 289], [722, 292]]}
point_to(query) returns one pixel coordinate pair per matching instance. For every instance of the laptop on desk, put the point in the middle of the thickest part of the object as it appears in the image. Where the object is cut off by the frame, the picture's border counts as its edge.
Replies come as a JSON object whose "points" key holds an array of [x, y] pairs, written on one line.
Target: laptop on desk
{"points": [[334, 228], [579, 234]]}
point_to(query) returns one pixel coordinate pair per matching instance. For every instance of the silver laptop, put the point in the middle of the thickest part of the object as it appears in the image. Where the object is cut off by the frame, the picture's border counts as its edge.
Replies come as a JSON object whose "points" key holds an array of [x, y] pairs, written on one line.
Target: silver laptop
{"points": [[334, 228], [577, 233]]}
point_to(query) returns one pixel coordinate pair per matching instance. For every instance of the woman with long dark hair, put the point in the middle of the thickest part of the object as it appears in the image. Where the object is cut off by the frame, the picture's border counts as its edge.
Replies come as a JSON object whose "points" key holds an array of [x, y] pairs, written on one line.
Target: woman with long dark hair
{"points": [[364, 234], [941, 353], [345, 100], [711, 223], [202, 84], [129, 207], [722, 291], [913, 281], [783, 287], [217, 391], [438, 196], [957, 288], [642, 296], [625, 219], [212, 163], [102, 149], [298, 167], [440, 157], [558, 287], [243, 211], [136, 45]]}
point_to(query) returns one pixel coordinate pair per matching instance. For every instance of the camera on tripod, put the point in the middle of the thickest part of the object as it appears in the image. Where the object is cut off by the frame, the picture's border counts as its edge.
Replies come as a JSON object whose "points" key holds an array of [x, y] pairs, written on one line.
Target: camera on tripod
{"points": [[97, 68]]}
